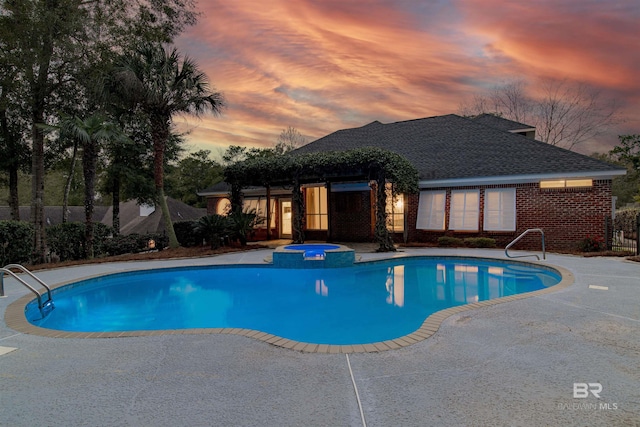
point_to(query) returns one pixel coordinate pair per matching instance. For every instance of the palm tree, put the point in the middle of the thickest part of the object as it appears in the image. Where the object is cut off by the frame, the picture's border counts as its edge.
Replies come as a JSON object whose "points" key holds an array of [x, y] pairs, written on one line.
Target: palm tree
{"points": [[162, 84], [213, 228], [90, 133]]}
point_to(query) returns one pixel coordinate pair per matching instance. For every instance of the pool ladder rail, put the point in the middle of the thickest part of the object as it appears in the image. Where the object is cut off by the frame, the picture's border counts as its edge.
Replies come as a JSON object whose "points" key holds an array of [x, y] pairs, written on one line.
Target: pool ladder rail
{"points": [[44, 306], [539, 230]]}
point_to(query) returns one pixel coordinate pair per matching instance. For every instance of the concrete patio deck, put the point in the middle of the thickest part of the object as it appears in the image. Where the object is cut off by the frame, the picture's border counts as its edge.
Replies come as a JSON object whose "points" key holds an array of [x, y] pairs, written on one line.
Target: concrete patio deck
{"points": [[509, 364]]}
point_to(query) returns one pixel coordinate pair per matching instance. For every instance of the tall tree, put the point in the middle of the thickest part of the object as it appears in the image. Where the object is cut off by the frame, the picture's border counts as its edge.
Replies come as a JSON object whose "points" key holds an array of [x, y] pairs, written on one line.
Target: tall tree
{"points": [[57, 49], [14, 152], [91, 133], [564, 114], [162, 84], [288, 140], [192, 173], [627, 154]]}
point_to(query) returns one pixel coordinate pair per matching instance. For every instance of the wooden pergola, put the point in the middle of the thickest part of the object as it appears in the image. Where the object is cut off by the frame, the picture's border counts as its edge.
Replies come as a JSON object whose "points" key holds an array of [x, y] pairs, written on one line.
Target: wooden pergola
{"points": [[362, 164]]}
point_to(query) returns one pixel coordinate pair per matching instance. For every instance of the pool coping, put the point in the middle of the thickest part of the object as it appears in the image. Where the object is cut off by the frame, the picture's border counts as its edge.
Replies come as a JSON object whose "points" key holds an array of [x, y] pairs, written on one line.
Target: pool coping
{"points": [[16, 319]]}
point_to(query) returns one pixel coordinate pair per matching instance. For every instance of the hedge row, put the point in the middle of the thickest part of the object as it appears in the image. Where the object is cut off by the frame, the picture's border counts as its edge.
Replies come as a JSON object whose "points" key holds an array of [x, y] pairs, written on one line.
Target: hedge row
{"points": [[471, 242], [66, 242], [16, 240]]}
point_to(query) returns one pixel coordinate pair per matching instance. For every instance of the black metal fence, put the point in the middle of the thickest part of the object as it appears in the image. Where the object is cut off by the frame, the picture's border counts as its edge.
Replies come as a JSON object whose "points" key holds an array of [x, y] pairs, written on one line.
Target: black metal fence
{"points": [[622, 233]]}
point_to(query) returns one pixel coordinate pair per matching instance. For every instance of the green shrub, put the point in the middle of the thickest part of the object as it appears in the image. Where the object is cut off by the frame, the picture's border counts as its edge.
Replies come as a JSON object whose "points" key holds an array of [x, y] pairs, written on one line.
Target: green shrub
{"points": [[187, 234], [135, 243], [625, 220], [101, 234], [213, 228], [242, 224], [592, 244], [16, 241], [480, 242], [161, 241], [67, 241], [450, 241]]}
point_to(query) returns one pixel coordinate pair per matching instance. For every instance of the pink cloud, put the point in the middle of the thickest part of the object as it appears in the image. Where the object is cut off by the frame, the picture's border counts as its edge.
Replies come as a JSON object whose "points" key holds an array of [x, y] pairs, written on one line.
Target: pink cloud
{"points": [[323, 66]]}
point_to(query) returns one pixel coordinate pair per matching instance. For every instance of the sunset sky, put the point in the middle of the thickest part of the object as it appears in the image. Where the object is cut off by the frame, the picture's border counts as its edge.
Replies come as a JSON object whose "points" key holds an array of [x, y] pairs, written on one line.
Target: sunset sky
{"points": [[324, 65]]}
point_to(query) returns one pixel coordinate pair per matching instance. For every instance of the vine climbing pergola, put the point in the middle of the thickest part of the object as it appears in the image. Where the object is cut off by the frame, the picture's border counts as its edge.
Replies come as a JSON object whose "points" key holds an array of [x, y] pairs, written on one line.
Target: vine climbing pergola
{"points": [[361, 164]]}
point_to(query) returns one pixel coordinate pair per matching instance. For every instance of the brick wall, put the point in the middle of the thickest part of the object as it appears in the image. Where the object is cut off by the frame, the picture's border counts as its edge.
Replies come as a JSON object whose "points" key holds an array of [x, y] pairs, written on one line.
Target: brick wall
{"points": [[351, 216], [565, 215]]}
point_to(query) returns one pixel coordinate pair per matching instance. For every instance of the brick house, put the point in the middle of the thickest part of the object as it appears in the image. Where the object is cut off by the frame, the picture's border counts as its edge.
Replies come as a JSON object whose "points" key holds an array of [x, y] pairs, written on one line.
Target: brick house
{"points": [[484, 176]]}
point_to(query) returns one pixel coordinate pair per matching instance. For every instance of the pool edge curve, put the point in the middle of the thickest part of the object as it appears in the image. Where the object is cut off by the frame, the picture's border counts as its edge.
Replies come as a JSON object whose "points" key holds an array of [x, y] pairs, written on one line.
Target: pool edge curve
{"points": [[15, 319]]}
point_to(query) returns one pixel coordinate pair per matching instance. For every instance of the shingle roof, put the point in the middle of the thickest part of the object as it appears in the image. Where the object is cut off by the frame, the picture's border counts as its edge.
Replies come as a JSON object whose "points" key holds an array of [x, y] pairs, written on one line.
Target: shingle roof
{"points": [[53, 214], [454, 147], [130, 219], [500, 123], [132, 222]]}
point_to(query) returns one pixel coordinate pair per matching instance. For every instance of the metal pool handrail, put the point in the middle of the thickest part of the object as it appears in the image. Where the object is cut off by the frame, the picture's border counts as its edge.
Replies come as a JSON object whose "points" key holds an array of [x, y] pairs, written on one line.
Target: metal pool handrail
{"points": [[506, 250], [7, 269]]}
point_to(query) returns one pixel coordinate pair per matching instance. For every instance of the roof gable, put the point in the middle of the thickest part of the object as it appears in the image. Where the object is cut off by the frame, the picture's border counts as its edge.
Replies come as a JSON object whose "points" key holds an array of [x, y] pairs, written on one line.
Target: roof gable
{"points": [[501, 123]]}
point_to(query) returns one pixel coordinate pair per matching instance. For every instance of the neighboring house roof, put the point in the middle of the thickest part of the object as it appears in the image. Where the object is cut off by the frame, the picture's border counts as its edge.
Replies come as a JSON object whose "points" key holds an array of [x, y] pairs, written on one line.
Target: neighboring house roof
{"points": [[451, 148], [53, 214], [132, 222], [130, 219]]}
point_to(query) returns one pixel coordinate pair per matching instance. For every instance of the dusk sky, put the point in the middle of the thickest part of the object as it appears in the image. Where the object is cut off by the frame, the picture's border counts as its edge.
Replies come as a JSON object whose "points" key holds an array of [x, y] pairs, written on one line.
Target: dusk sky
{"points": [[325, 65]]}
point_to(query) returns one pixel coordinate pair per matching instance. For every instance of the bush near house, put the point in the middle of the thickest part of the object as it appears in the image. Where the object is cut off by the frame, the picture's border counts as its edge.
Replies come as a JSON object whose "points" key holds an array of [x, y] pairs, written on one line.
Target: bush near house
{"points": [[66, 241], [480, 242], [625, 221], [187, 234], [214, 228], [16, 239], [242, 223], [135, 243], [470, 242], [592, 244], [449, 241]]}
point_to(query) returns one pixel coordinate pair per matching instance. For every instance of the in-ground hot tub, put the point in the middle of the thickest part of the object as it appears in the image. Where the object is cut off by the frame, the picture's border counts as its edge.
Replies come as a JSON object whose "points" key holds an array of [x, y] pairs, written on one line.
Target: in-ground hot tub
{"points": [[313, 255], [312, 250]]}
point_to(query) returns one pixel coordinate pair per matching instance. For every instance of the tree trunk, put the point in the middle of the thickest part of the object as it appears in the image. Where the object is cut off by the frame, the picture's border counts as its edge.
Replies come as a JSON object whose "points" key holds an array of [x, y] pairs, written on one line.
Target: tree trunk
{"points": [[89, 160], [115, 191], [12, 164], [268, 212], [160, 136], [37, 193], [236, 197], [383, 237], [67, 186], [297, 200], [40, 89], [14, 200]]}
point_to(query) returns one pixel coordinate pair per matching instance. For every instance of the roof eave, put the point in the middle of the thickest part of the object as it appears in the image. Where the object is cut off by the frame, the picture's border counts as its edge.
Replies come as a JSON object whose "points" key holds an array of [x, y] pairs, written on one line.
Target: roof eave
{"points": [[517, 179]]}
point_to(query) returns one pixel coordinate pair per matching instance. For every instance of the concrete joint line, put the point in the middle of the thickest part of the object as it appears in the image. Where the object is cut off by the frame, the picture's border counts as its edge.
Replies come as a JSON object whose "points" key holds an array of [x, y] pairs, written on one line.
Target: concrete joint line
{"points": [[583, 307], [10, 336], [355, 388]]}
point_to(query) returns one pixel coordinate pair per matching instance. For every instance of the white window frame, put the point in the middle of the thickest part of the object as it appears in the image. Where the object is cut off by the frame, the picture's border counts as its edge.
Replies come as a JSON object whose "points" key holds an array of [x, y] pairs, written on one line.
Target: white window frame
{"points": [[320, 212], [431, 210], [260, 205], [464, 213], [503, 216], [394, 210]]}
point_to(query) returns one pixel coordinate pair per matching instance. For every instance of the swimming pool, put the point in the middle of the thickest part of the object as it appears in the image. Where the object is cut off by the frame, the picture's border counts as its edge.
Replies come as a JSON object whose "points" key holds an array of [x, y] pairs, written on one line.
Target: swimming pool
{"points": [[366, 303]]}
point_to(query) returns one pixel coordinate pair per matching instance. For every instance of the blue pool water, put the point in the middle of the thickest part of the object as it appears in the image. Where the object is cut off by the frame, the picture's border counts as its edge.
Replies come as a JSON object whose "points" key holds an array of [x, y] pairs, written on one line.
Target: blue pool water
{"points": [[369, 302]]}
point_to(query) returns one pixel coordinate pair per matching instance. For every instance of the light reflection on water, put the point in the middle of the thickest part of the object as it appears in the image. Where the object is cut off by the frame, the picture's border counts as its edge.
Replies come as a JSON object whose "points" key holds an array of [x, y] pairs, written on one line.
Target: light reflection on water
{"points": [[369, 302]]}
